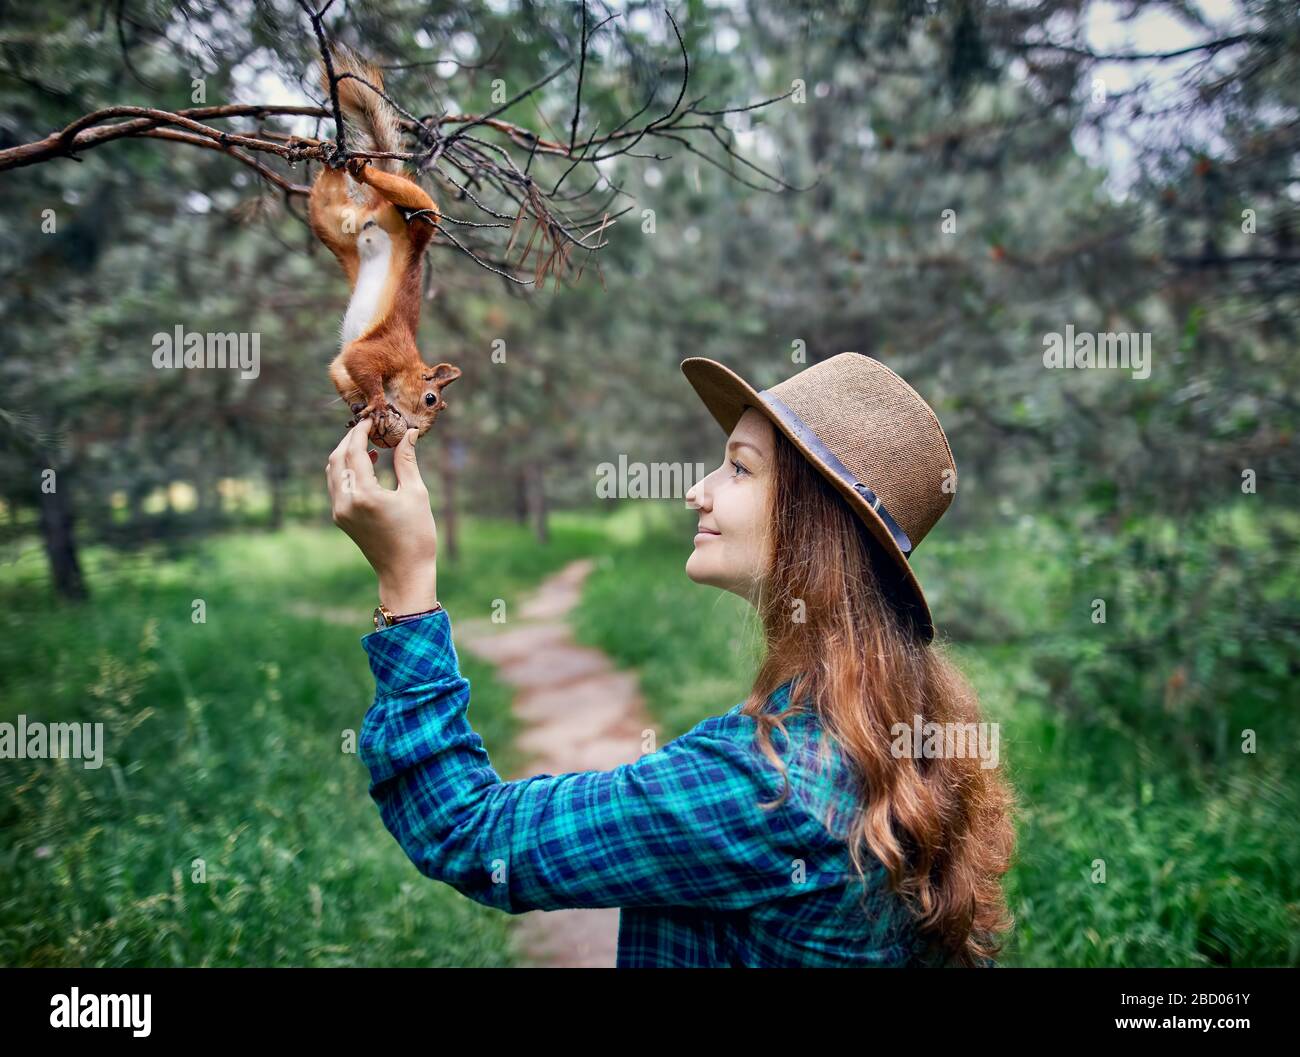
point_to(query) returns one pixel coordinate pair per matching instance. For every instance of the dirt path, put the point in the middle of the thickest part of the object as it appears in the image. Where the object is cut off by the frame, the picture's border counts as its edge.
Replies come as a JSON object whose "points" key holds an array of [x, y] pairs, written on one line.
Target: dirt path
{"points": [[577, 713]]}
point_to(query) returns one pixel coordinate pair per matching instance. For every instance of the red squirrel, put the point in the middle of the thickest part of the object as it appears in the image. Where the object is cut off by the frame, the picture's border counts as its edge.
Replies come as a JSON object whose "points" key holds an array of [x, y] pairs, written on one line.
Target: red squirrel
{"points": [[356, 213]]}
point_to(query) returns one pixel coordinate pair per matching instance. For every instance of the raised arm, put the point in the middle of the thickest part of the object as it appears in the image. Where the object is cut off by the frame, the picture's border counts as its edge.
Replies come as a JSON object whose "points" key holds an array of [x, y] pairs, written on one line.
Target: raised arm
{"points": [[405, 194], [682, 826]]}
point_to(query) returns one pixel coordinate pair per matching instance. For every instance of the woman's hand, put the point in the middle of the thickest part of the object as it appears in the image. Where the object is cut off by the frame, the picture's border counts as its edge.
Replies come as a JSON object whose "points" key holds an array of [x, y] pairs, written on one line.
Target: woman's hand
{"points": [[394, 529]]}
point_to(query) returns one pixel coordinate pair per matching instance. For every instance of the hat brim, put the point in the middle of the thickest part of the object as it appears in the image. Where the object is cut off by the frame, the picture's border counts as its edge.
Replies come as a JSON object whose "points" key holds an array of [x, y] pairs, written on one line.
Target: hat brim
{"points": [[726, 395]]}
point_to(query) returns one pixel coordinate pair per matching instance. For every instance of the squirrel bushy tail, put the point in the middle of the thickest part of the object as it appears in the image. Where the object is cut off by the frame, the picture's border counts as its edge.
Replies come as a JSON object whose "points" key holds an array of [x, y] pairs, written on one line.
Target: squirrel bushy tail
{"points": [[370, 121]]}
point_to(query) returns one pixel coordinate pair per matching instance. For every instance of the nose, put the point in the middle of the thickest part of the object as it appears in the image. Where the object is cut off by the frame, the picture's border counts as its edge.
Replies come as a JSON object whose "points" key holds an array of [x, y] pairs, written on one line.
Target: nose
{"points": [[698, 496]]}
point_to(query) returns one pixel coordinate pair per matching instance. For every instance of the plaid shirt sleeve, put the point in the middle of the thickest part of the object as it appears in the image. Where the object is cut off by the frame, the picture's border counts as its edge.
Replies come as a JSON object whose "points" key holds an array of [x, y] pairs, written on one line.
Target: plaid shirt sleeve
{"points": [[679, 827]]}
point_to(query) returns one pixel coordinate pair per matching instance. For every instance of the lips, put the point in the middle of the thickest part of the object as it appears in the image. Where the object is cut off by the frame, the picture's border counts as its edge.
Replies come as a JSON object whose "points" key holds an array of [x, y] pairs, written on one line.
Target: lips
{"points": [[702, 531]]}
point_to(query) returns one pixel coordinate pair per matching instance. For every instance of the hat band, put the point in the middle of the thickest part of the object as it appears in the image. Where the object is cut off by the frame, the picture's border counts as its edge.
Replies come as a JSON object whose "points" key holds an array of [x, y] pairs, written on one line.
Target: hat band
{"points": [[801, 429]]}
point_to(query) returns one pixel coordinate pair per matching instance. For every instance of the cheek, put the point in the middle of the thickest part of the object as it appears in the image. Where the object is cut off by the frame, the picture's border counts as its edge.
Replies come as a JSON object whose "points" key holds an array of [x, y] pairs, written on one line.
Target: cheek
{"points": [[738, 515]]}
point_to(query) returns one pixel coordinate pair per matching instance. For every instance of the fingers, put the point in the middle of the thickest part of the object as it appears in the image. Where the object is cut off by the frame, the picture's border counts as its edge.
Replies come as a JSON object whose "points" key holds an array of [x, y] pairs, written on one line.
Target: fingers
{"points": [[357, 441], [334, 466], [341, 475], [337, 453], [404, 462]]}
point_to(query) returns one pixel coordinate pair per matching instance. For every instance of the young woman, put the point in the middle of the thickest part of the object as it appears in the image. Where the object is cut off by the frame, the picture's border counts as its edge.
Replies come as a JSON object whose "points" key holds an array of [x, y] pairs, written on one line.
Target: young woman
{"points": [[803, 827]]}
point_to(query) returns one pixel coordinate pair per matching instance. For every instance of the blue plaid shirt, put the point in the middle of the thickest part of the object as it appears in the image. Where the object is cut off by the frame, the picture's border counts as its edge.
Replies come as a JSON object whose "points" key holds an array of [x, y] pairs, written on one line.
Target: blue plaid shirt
{"points": [[703, 874]]}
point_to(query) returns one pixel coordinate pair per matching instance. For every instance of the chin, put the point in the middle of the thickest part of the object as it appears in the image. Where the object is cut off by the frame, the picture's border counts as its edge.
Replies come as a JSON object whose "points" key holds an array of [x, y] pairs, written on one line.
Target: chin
{"points": [[699, 573]]}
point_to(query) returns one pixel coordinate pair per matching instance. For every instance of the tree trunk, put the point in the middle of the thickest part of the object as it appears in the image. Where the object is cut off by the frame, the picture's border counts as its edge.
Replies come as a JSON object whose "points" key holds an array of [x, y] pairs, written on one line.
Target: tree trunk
{"points": [[521, 496], [537, 503], [277, 475], [60, 546], [135, 505], [208, 498]]}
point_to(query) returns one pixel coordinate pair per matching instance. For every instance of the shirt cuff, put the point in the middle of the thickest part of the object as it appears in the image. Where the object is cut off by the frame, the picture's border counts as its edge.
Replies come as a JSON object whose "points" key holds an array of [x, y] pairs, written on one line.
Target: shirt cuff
{"points": [[412, 653]]}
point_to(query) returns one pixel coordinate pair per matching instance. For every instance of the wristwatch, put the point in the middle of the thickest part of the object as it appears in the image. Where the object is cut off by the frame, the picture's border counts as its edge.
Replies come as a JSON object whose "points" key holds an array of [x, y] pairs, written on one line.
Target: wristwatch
{"points": [[384, 617]]}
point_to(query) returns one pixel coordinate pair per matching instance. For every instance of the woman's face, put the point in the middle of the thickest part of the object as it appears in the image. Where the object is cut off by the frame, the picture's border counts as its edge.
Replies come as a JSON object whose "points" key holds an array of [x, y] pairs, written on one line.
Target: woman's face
{"points": [[734, 506]]}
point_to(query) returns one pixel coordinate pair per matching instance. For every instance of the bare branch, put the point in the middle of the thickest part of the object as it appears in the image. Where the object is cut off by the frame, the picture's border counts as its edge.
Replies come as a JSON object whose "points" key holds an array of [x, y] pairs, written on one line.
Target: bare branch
{"points": [[1212, 47], [486, 173], [328, 60]]}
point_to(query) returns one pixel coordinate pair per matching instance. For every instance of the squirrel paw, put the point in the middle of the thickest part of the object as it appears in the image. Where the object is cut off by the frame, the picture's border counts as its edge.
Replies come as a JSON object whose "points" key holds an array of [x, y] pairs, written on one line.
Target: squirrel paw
{"points": [[377, 407], [331, 156]]}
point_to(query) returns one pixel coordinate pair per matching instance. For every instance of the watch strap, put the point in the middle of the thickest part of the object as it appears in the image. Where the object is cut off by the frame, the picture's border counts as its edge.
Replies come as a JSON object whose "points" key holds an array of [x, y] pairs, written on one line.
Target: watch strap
{"points": [[417, 616], [385, 618]]}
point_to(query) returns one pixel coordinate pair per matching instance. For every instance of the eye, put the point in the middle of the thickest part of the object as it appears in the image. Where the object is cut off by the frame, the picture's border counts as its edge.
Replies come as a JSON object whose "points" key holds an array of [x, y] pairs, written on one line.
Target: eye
{"points": [[430, 399], [739, 469]]}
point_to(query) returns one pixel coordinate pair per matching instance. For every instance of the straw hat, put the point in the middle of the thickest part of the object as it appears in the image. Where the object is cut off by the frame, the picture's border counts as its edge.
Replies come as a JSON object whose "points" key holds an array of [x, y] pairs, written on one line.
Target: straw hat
{"points": [[868, 433]]}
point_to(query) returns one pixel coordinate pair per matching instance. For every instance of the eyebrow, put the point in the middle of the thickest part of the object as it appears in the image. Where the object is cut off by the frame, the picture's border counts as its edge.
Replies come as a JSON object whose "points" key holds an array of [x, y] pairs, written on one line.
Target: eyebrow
{"points": [[744, 444]]}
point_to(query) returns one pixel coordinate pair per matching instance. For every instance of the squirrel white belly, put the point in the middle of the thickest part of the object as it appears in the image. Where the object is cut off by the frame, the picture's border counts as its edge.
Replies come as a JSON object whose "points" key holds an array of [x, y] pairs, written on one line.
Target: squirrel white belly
{"points": [[375, 251]]}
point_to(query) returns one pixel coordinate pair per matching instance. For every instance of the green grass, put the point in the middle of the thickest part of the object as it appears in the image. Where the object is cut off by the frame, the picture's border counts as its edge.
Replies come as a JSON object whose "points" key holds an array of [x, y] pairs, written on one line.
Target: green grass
{"points": [[1199, 870], [1202, 863], [225, 754], [225, 745]]}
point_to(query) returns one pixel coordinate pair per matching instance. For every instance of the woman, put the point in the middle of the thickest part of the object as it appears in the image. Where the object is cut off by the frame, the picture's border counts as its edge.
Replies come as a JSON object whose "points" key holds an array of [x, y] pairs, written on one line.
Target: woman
{"points": [[805, 826]]}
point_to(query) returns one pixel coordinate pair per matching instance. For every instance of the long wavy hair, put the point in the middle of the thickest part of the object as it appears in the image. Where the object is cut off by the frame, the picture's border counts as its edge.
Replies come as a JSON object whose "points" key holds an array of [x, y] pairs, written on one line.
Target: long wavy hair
{"points": [[942, 827]]}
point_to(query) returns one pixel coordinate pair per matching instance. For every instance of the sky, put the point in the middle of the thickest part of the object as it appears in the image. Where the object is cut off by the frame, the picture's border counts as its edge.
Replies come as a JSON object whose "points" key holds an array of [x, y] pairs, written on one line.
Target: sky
{"points": [[1153, 29]]}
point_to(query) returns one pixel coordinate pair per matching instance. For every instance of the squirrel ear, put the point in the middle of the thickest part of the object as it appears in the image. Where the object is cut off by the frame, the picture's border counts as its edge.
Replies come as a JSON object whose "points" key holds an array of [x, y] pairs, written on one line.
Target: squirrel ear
{"points": [[442, 374]]}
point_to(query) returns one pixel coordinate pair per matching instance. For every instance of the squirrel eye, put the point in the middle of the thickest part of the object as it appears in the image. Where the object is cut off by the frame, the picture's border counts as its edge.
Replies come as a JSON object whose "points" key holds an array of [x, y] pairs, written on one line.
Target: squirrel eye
{"points": [[430, 399]]}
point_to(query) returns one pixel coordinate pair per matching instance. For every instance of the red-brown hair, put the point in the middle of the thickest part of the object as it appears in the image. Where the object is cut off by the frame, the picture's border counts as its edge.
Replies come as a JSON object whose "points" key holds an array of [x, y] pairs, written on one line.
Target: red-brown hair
{"points": [[942, 827]]}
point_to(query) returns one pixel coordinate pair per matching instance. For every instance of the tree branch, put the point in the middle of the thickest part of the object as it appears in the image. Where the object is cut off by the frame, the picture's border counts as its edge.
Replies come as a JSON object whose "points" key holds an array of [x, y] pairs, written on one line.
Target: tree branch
{"points": [[1212, 46], [487, 169]]}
